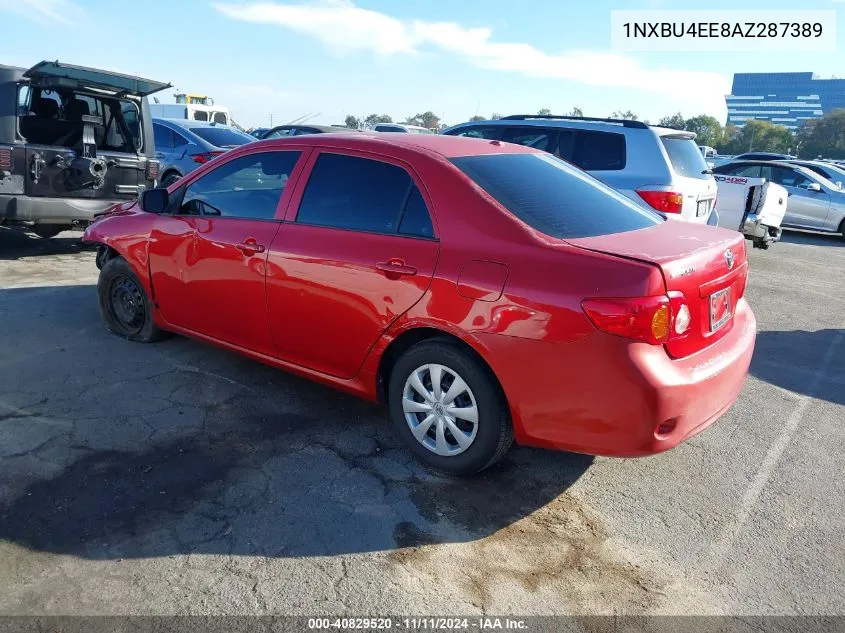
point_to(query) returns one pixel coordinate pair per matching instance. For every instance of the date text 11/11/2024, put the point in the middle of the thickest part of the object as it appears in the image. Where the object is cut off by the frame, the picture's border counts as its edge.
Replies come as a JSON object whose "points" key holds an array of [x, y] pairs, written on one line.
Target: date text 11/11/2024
{"points": [[417, 624]]}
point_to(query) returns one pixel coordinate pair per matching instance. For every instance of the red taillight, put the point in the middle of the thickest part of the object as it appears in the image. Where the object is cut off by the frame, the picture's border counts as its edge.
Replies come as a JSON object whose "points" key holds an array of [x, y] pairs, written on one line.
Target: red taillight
{"points": [[5, 159], [654, 320], [204, 157], [152, 170], [665, 201]]}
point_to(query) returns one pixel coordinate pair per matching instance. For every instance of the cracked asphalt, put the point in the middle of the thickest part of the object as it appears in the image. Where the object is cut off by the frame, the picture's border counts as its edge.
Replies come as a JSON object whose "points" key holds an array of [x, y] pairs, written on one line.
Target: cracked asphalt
{"points": [[176, 478]]}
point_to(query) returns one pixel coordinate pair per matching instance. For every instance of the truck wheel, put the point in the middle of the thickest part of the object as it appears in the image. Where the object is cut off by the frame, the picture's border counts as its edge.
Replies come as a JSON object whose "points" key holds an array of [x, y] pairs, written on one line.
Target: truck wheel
{"points": [[125, 306], [49, 230]]}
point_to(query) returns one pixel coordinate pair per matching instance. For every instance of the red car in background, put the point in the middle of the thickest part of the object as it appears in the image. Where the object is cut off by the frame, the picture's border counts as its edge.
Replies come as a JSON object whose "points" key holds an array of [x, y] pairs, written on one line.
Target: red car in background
{"points": [[483, 291]]}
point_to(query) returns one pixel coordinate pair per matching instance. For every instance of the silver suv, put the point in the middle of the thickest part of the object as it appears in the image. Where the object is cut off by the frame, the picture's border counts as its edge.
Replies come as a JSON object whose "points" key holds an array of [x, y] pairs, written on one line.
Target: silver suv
{"points": [[660, 168]]}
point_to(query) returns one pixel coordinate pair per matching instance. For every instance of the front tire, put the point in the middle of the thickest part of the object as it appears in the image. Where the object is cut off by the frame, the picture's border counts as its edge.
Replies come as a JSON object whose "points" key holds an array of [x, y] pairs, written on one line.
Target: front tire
{"points": [[124, 304], [448, 408]]}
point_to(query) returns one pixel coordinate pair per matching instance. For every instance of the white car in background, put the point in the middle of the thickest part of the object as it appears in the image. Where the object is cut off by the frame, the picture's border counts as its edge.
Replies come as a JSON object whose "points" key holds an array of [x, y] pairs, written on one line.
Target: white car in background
{"points": [[401, 127]]}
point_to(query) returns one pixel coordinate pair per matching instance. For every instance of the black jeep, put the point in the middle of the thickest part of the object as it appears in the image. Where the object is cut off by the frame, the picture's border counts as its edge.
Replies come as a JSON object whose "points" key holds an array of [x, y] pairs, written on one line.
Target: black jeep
{"points": [[73, 142]]}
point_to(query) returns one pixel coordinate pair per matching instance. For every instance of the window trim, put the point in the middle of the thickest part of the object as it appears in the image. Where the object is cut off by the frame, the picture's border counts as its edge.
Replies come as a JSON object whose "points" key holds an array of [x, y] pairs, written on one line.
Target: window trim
{"points": [[308, 168], [283, 205]]}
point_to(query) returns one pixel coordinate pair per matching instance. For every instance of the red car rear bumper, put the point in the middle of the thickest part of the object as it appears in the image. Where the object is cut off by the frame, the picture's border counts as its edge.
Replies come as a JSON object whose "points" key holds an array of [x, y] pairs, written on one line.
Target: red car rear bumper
{"points": [[604, 395]]}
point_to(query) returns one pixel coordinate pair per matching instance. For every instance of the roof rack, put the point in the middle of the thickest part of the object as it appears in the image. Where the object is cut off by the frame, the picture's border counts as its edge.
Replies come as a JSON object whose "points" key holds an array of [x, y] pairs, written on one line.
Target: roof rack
{"points": [[623, 122]]}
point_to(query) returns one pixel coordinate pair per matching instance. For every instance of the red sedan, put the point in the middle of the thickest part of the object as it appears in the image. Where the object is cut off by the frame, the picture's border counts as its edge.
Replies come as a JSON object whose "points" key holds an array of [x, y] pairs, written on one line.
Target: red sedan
{"points": [[484, 291]]}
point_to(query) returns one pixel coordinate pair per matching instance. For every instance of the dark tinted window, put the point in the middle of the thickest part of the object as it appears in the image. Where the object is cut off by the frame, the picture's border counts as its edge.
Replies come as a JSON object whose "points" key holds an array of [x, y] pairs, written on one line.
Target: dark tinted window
{"points": [[599, 151], [538, 138], [199, 115], [285, 131], [480, 131], [220, 117], [416, 219], [686, 160], [222, 136], [748, 171], [163, 137], [553, 197], [789, 177], [247, 187], [354, 193], [179, 140], [389, 128]]}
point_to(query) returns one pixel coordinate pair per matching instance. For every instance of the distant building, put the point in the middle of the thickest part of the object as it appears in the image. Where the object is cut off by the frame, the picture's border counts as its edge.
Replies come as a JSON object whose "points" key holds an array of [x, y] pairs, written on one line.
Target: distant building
{"points": [[788, 99]]}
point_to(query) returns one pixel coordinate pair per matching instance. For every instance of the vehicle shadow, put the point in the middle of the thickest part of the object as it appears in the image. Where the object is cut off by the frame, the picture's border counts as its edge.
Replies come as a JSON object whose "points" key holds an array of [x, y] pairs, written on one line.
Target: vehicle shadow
{"points": [[111, 449], [803, 362], [792, 236], [17, 243]]}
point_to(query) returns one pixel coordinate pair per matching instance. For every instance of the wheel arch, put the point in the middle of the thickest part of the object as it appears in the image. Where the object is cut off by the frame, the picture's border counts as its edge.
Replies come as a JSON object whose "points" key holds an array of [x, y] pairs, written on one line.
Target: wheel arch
{"points": [[415, 334]]}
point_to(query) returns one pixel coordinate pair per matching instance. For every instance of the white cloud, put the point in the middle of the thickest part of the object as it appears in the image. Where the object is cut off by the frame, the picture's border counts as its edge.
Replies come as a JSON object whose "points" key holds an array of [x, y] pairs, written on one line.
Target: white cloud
{"points": [[63, 12], [344, 27]]}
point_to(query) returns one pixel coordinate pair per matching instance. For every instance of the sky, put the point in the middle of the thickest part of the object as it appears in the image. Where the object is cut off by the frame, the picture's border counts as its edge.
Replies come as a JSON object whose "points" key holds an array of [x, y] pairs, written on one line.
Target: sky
{"points": [[282, 60]]}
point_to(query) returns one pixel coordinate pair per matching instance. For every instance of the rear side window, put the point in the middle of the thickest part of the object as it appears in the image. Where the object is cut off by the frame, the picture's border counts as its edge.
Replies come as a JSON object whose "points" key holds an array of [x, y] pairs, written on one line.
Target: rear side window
{"points": [[163, 137], [348, 192], [599, 151], [222, 137], [685, 158], [553, 197]]}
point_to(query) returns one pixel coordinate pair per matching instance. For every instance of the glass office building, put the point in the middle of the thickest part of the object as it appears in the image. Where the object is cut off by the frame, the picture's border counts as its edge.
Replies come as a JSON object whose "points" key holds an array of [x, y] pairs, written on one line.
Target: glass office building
{"points": [[788, 99]]}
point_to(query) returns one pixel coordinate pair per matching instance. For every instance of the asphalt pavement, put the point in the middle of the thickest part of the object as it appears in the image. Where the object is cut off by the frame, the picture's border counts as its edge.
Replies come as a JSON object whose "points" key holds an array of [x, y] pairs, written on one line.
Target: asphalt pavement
{"points": [[176, 478]]}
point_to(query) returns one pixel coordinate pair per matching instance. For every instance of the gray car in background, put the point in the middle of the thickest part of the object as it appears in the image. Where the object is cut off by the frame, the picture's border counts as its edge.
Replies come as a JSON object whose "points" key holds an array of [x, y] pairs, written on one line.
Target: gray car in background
{"points": [[831, 171], [183, 145], [814, 201], [660, 168]]}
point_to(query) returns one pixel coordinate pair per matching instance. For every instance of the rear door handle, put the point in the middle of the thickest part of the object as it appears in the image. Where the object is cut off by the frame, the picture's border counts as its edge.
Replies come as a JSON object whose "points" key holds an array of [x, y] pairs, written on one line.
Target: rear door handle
{"points": [[395, 268], [250, 247]]}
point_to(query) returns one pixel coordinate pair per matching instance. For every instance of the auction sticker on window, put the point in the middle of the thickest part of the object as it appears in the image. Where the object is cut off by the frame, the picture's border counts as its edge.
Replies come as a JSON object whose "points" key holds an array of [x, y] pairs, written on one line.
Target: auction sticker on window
{"points": [[723, 30]]}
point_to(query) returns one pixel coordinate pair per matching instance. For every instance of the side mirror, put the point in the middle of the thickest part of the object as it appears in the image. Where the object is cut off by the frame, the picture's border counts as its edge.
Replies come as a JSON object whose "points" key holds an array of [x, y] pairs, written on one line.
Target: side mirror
{"points": [[155, 200], [814, 186]]}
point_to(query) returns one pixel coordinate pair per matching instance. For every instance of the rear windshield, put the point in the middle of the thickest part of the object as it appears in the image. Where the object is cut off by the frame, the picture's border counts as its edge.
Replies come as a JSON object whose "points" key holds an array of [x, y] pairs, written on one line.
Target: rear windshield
{"points": [[685, 157], [222, 137], [553, 197]]}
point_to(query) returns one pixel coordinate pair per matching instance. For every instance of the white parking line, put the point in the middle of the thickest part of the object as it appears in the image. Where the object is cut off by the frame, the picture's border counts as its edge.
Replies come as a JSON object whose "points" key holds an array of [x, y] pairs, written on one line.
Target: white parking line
{"points": [[720, 547]]}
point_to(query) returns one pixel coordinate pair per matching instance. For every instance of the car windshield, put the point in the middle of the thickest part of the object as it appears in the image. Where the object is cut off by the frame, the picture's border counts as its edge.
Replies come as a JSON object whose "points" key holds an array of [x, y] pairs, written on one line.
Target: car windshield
{"points": [[554, 197], [222, 136], [685, 157]]}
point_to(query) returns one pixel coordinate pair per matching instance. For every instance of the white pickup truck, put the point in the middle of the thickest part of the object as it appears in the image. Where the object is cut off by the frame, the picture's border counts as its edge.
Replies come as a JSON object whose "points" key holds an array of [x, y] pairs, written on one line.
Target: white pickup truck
{"points": [[753, 206]]}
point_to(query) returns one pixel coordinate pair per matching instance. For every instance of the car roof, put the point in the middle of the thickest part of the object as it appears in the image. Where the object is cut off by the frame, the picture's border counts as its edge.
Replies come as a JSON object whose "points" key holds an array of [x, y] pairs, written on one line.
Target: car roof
{"points": [[766, 163], [446, 146]]}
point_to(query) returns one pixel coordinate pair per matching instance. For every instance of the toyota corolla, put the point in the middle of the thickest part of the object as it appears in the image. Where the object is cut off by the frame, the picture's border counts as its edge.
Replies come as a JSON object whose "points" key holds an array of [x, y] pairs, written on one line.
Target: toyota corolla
{"points": [[485, 292]]}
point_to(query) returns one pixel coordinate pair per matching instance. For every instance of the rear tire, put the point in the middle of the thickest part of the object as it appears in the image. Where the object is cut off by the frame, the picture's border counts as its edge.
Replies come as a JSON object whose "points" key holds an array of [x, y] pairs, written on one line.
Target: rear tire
{"points": [[445, 436], [842, 229], [124, 305], [47, 231]]}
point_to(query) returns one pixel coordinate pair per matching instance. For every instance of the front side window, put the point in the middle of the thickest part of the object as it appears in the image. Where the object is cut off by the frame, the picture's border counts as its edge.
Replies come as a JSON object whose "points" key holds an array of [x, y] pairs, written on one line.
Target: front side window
{"points": [[789, 177], [249, 187], [362, 194], [200, 115], [538, 138], [220, 117], [554, 197]]}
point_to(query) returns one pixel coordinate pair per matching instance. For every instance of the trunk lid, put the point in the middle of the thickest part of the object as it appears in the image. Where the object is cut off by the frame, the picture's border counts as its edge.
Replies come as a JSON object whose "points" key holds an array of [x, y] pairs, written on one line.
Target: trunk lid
{"points": [[706, 264], [56, 75]]}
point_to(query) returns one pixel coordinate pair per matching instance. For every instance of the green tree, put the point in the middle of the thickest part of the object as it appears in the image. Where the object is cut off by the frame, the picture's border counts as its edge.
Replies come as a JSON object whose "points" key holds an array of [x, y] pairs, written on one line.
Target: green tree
{"points": [[760, 136], [708, 130], [476, 117], [352, 122], [823, 137], [627, 114], [371, 119], [544, 112], [676, 121], [576, 111], [427, 119], [495, 116]]}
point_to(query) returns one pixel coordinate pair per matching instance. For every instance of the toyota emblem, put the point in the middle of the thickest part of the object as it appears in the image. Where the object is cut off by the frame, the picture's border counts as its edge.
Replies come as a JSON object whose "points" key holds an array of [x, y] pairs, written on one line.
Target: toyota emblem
{"points": [[729, 258]]}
